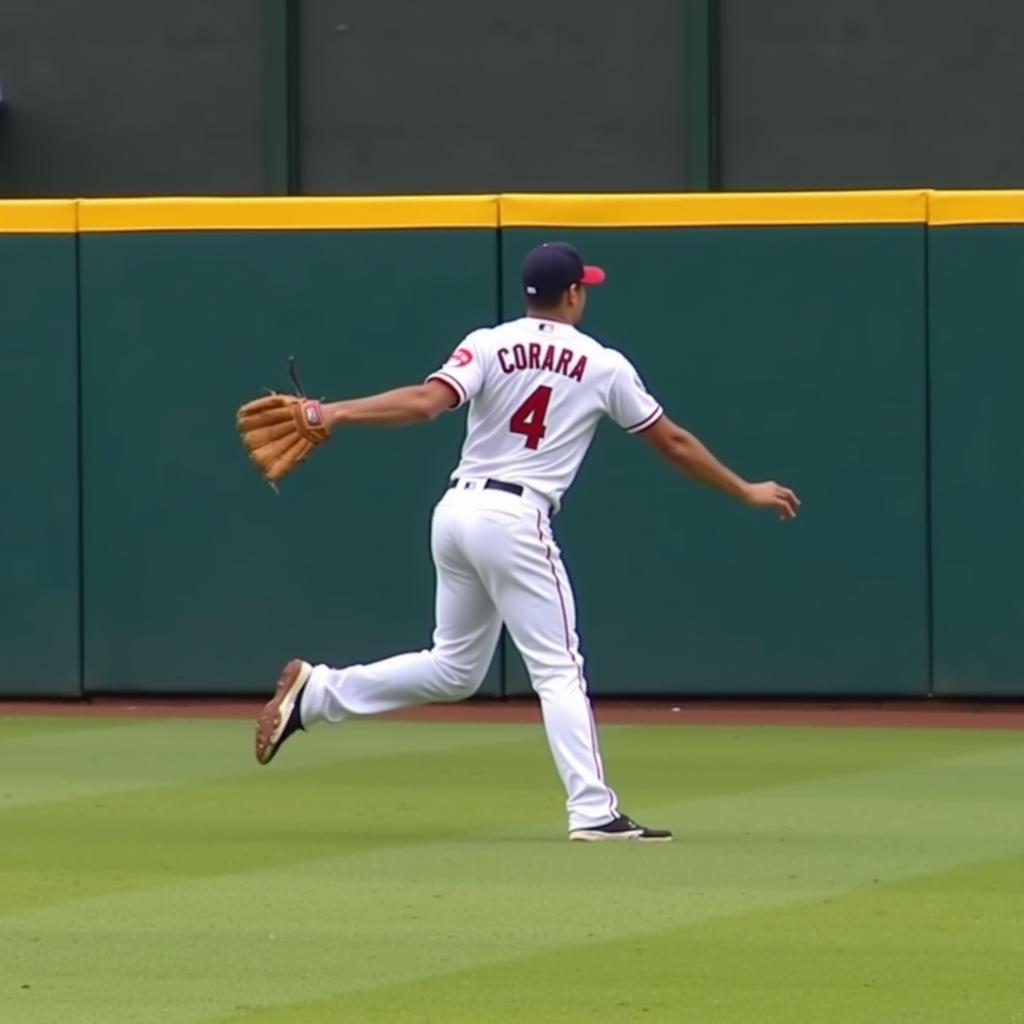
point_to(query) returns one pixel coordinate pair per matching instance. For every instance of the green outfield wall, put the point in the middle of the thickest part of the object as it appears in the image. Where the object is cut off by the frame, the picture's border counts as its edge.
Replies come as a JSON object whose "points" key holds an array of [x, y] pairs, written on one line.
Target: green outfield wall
{"points": [[39, 487], [197, 576], [861, 347], [976, 319], [797, 353]]}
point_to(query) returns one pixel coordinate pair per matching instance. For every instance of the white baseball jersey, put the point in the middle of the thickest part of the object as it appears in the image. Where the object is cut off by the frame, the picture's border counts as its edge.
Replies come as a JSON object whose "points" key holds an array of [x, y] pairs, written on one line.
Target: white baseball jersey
{"points": [[537, 390]]}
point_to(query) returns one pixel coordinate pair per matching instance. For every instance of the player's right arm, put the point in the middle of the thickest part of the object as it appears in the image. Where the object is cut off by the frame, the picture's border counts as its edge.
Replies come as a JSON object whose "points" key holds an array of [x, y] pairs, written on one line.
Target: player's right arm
{"points": [[448, 388], [688, 455], [400, 407]]}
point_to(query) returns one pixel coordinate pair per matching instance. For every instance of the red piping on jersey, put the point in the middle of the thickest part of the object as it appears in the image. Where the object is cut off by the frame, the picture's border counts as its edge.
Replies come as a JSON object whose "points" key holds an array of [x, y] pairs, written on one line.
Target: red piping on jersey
{"points": [[647, 421], [444, 378], [594, 751]]}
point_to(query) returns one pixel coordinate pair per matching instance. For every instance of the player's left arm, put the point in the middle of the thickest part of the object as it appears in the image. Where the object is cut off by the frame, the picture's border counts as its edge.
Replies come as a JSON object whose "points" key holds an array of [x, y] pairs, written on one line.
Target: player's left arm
{"points": [[398, 408], [690, 456], [633, 408]]}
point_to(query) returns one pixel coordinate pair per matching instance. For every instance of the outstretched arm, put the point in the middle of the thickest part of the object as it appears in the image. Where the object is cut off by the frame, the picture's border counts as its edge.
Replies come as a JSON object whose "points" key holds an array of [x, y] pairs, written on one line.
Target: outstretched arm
{"points": [[686, 454], [398, 408]]}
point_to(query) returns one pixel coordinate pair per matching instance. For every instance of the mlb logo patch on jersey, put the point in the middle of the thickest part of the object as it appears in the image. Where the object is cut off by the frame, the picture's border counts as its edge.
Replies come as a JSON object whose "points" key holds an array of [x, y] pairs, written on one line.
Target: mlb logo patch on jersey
{"points": [[461, 357]]}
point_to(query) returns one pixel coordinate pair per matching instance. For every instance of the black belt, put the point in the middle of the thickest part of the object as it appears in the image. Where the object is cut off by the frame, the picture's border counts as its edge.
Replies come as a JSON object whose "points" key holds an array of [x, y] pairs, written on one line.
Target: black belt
{"points": [[496, 485]]}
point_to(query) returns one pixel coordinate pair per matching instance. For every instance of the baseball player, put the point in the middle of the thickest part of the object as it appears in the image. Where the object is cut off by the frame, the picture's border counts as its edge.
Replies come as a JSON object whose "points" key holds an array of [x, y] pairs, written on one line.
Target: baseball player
{"points": [[536, 388]]}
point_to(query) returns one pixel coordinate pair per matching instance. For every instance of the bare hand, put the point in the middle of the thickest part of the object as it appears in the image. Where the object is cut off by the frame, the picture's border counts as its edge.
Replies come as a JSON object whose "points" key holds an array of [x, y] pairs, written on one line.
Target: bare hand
{"points": [[772, 495]]}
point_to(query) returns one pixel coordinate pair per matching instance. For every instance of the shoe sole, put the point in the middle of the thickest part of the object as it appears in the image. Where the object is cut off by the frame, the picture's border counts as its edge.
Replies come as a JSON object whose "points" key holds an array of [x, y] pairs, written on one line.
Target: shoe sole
{"points": [[595, 836], [275, 714]]}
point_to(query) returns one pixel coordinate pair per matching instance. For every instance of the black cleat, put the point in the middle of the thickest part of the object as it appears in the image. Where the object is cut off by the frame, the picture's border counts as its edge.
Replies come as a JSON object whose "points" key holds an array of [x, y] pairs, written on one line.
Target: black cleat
{"points": [[618, 829], [280, 717]]}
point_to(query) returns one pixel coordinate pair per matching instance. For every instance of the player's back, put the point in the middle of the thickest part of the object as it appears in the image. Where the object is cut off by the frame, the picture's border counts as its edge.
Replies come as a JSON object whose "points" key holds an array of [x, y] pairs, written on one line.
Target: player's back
{"points": [[537, 390]]}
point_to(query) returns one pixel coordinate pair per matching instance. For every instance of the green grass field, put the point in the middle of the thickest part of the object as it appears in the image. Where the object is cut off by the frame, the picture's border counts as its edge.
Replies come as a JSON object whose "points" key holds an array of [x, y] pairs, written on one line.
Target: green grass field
{"points": [[414, 872]]}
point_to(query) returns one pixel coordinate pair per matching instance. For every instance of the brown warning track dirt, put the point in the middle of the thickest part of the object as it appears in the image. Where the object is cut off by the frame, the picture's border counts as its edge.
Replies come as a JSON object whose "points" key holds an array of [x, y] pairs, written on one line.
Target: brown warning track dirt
{"points": [[938, 714]]}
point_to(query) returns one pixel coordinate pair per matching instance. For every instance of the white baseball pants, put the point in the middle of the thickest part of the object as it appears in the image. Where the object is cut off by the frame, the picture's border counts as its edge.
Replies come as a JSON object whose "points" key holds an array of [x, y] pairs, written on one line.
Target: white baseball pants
{"points": [[497, 561]]}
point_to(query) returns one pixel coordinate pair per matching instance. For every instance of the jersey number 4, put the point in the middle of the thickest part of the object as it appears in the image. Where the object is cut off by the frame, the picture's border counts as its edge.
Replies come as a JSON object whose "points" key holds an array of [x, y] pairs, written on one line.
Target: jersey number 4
{"points": [[528, 419]]}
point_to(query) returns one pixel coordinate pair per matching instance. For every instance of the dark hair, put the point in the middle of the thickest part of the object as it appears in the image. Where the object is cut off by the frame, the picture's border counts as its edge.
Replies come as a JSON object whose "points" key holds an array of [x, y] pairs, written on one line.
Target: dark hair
{"points": [[545, 303]]}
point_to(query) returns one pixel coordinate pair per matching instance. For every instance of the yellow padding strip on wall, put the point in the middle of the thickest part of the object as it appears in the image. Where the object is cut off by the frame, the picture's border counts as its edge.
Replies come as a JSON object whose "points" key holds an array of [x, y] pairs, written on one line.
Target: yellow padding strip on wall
{"points": [[714, 209], [38, 216], [295, 213], [298, 213], [951, 208]]}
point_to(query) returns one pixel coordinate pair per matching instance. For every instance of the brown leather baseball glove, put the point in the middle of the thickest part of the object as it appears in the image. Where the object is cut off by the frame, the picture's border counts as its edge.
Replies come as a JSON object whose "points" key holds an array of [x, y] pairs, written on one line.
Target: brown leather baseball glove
{"points": [[280, 431]]}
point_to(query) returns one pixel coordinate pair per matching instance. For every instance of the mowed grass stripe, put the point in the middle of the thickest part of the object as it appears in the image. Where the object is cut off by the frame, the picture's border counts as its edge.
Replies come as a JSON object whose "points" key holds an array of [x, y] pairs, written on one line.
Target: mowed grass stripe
{"points": [[365, 786], [306, 808], [374, 917], [17, 728], [302, 808], [703, 761], [57, 759], [942, 948], [387, 921], [117, 756]]}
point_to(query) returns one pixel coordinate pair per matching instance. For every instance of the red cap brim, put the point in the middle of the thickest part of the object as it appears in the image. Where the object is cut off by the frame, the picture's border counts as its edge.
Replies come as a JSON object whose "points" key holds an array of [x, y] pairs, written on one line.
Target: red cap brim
{"points": [[592, 275]]}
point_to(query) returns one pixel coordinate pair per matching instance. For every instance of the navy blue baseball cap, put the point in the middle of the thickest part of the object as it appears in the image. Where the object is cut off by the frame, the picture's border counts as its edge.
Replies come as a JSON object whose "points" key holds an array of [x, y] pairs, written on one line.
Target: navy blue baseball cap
{"points": [[553, 267]]}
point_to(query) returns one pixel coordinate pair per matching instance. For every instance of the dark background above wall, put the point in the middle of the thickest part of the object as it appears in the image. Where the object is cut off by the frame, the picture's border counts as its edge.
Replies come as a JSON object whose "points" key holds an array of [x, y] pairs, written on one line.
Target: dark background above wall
{"points": [[242, 97]]}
